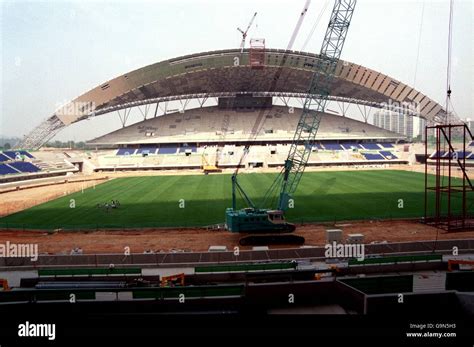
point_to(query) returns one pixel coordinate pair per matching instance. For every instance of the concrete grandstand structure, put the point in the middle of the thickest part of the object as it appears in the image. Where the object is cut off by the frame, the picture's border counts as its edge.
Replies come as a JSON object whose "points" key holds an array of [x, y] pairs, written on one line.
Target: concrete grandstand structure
{"points": [[180, 140], [204, 126], [229, 73], [22, 165]]}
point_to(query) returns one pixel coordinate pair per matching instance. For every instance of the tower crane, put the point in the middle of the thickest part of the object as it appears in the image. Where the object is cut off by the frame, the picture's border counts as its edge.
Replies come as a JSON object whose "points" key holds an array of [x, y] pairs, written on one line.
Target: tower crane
{"points": [[276, 78], [266, 223], [244, 33], [208, 167]]}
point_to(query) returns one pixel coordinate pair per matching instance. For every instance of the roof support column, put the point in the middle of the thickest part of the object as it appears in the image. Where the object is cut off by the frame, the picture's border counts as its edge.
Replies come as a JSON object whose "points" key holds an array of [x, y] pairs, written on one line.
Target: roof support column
{"points": [[342, 106], [123, 118], [365, 112], [156, 109]]}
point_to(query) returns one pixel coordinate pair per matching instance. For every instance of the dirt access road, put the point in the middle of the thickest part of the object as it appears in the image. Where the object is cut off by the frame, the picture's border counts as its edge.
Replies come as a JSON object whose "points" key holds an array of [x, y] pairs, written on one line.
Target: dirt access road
{"points": [[196, 239]]}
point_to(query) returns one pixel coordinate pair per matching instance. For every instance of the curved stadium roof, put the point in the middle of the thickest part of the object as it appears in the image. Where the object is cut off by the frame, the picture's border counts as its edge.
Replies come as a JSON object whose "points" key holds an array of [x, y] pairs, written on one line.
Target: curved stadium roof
{"points": [[228, 72]]}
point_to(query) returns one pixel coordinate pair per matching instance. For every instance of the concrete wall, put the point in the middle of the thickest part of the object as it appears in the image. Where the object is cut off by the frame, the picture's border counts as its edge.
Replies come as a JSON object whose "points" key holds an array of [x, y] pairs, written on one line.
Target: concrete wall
{"points": [[219, 257]]}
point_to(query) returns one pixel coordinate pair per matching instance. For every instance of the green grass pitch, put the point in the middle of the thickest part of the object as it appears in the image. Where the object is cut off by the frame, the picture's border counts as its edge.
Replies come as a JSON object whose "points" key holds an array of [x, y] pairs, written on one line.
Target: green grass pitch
{"points": [[155, 201]]}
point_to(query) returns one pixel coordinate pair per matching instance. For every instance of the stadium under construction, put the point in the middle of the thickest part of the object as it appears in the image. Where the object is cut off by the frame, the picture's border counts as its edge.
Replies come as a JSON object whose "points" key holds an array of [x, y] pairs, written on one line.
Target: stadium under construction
{"points": [[245, 189]]}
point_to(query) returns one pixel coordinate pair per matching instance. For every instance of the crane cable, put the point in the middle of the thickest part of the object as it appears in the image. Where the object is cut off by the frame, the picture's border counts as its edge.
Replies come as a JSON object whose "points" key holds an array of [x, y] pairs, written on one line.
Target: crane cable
{"points": [[419, 43], [448, 100], [260, 121], [448, 70], [313, 29]]}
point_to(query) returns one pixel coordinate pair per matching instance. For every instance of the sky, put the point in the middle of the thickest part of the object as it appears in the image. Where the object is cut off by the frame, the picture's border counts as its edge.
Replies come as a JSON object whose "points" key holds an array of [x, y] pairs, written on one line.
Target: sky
{"points": [[54, 51]]}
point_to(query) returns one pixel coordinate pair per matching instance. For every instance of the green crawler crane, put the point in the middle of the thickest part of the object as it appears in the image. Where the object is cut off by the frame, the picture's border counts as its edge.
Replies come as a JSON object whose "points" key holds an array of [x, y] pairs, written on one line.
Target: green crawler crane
{"points": [[266, 225]]}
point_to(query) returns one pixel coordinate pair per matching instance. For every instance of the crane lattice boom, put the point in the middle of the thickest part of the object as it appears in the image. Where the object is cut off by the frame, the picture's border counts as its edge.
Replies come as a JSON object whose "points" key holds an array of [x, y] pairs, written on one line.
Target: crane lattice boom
{"points": [[316, 100], [265, 219], [244, 33]]}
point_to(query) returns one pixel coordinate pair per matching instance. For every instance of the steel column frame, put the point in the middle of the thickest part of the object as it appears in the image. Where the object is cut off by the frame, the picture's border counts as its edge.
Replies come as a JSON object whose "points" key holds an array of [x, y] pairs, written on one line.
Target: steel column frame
{"points": [[156, 110], [184, 105], [42, 133], [144, 114], [201, 103], [447, 220], [284, 99], [341, 105], [365, 113], [206, 96], [124, 118], [45, 131], [38, 137]]}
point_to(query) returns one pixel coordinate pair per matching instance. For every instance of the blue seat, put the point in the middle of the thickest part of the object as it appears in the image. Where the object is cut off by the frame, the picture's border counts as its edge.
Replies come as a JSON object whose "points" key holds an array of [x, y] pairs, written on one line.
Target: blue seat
{"points": [[386, 145], [125, 151], [17, 154], [27, 154], [373, 156], [12, 154], [371, 146], [447, 155], [317, 145], [24, 166], [388, 155], [3, 158], [440, 154], [146, 150], [314, 146], [6, 170], [167, 150], [332, 146], [349, 146], [459, 154], [184, 148]]}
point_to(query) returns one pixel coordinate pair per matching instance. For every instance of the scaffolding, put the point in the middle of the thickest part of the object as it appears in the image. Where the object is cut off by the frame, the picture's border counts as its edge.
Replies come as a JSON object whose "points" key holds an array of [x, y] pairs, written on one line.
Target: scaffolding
{"points": [[41, 134], [449, 199], [257, 53]]}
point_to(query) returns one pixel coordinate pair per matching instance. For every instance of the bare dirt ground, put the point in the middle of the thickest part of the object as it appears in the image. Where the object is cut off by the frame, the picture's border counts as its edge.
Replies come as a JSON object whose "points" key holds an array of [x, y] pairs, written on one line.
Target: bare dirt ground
{"points": [[201, 239], [20, 200]]}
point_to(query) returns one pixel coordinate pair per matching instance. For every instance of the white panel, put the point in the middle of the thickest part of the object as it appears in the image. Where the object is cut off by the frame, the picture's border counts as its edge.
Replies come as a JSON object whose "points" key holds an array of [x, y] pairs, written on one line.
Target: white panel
{"points": [[339, 67], [378, 81], [353, 72], [405, 93], [359, 75], [419, 97], [390, 90], [434, 112], [345, 70], [371, 79], [426, 103], [384, 85], [398, 90], [412, 94]]}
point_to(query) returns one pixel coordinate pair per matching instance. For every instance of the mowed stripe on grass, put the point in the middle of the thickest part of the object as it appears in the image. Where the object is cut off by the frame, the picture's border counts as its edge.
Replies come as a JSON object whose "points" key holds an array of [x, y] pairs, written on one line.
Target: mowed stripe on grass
{"points": [[184, 201]]}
